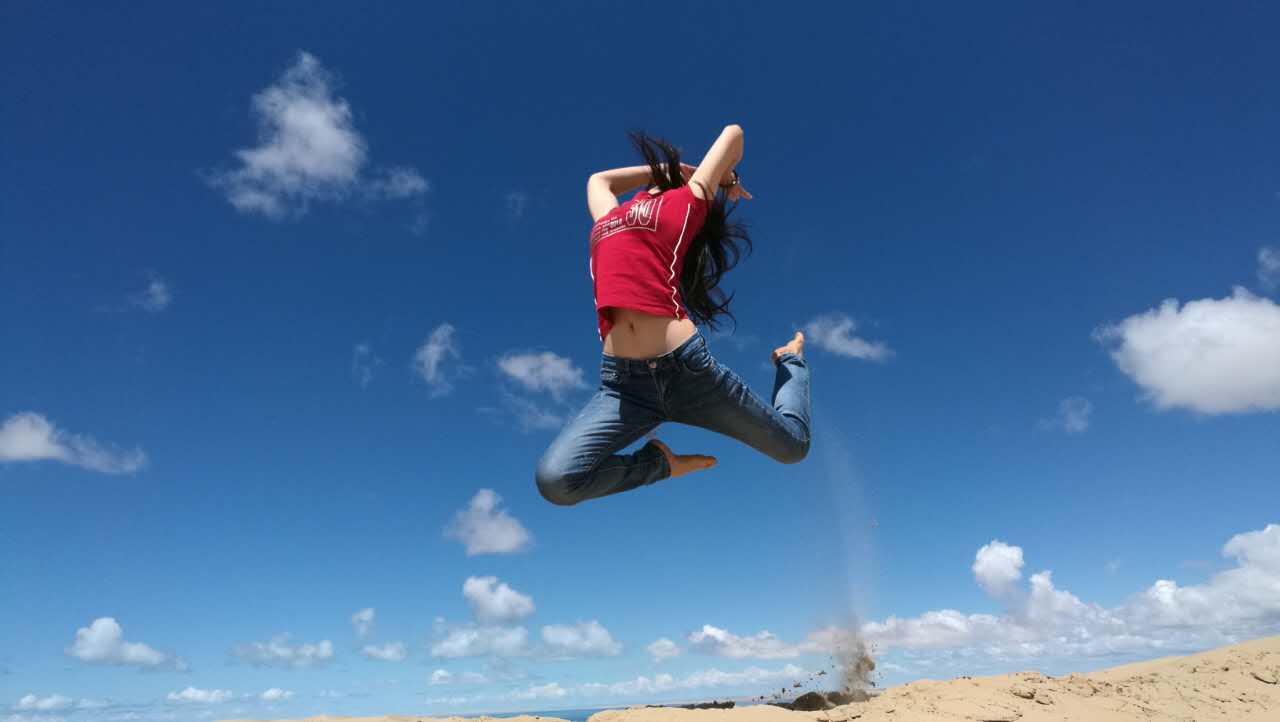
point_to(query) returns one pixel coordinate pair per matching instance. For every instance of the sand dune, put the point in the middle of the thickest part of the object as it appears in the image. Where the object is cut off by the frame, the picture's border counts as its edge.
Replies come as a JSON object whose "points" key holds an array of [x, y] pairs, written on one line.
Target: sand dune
{"points": [[1240, 683]]}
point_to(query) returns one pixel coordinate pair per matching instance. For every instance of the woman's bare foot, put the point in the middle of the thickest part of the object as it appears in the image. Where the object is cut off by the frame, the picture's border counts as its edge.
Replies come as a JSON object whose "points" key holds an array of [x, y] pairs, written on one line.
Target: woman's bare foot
{"points": [[796, 346], [682, 464]]}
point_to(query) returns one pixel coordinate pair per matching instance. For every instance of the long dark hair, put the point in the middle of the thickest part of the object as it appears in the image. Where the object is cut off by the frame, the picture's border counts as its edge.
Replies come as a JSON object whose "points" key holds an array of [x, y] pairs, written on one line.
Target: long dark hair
{"points": [[717, 247]]}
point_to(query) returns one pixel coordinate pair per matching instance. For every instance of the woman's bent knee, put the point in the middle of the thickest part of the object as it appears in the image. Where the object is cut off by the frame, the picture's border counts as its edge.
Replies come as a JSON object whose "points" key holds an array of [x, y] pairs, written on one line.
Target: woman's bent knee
{"points": [[554, 486], [794, 452]]}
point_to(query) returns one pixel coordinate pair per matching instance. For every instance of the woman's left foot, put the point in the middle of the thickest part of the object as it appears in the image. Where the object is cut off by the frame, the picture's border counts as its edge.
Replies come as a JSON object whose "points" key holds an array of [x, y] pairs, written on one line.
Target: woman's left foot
{"points": [[681, 464], [796, 346]]}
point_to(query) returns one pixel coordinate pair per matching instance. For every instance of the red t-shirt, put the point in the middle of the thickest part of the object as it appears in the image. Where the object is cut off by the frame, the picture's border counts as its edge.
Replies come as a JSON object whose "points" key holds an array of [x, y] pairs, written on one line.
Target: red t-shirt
{"points": [[637, 253]]}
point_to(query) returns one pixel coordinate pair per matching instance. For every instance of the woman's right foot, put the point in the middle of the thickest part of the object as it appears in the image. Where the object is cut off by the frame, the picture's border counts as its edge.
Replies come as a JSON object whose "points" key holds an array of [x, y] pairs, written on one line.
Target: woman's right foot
{"points": [[796, 346], [682, 464]]}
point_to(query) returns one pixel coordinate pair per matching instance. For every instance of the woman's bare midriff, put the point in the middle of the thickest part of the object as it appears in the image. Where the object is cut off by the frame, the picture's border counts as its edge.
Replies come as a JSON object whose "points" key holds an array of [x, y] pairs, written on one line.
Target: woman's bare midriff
{"points": [[636, 334]]}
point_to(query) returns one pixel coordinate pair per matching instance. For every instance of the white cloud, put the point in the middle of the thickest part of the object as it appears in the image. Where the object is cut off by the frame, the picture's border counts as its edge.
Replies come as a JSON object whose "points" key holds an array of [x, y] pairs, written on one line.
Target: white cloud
{"points": [[156, 297], [494, 602], [720, 642], [200, 696], [543, 371], [364, 364], [707, 678], [389, 652], [662, 649], [485, 529], [33, 718], [1072, 417], [31, 437], [584, 639], [308, 150], [997, 567], [443, 676], [278, 652], [551, 690], [275, 694], [51, 703], [1213, 356], [834, 333], [363, 621], [1046, 622], [1269, 267], [103, 642], [475, 641], [432, 359]]}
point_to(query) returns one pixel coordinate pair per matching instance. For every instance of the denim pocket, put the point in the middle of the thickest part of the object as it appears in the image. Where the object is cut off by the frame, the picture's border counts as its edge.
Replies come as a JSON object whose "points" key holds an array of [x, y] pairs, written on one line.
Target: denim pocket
{"points": [[609, 376], [699, 362]]}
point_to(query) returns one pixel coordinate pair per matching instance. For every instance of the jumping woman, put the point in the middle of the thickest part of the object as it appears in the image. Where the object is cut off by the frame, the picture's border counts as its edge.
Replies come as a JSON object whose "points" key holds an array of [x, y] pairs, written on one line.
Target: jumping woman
{"points": [[656, 262]]}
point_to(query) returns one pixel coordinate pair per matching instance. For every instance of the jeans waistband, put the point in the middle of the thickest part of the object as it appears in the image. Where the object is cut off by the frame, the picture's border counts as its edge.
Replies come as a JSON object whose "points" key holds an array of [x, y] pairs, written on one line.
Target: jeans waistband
{"points": [[668, 360]]}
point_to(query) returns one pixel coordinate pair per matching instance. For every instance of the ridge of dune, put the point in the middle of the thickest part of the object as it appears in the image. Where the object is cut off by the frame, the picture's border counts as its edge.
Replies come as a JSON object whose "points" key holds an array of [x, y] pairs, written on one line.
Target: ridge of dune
{"points": [[1239, 683]]}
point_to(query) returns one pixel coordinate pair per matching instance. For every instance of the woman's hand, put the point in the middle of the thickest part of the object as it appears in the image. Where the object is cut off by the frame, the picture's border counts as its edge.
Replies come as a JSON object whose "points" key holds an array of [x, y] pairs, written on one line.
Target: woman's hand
{"points": [[737, 192]]}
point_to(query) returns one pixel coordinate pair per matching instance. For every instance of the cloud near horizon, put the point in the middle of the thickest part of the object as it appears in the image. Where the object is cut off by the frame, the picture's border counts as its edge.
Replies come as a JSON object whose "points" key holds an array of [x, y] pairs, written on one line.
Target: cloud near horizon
{"points": [[1042, 621]]}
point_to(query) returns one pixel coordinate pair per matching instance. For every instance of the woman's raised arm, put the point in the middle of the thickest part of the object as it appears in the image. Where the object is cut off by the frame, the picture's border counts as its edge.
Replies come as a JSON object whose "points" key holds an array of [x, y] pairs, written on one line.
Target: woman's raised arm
{"points": [[724, 154], [603, 187]]}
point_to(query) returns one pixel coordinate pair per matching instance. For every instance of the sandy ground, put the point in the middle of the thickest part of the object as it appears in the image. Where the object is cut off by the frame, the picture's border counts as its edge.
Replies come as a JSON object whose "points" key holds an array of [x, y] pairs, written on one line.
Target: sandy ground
{"points": [[1240, 683]]}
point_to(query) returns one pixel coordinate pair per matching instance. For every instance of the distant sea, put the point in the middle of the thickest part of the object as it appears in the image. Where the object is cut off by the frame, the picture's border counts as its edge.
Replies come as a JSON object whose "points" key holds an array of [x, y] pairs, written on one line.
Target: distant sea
{"points": [[576, 715], [573, 715]]}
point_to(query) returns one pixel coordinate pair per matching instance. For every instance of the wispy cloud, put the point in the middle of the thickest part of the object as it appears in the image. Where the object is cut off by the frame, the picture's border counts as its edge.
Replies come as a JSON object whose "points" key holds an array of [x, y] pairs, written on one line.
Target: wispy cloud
{"points": [[389, 652], [484, 528], [438, 361], [278, 652], [1072, 417], [31, 437], [1212, 356], [363, 621], [364, 364], [835, 333], [308, 150], [1269, 267], [155, 298]]}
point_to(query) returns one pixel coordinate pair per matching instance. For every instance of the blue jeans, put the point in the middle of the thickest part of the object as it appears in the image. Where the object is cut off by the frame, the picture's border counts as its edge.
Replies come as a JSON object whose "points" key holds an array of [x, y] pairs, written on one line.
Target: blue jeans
{"points": [[687, 386]]}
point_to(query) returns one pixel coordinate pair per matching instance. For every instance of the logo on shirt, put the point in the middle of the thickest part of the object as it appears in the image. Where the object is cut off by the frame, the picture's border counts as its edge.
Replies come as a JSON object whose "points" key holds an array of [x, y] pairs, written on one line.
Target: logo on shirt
{"points": [[642, 214]]}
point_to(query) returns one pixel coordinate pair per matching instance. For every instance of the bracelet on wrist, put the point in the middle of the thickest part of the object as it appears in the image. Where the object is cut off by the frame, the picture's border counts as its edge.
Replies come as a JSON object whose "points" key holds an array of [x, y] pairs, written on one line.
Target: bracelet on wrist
{"points": [[733, 182]]}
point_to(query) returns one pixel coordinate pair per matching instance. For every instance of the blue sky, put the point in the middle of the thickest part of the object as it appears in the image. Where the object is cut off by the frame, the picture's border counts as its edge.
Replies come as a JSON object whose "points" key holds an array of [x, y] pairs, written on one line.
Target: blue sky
{"points": [[294, 297]]}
